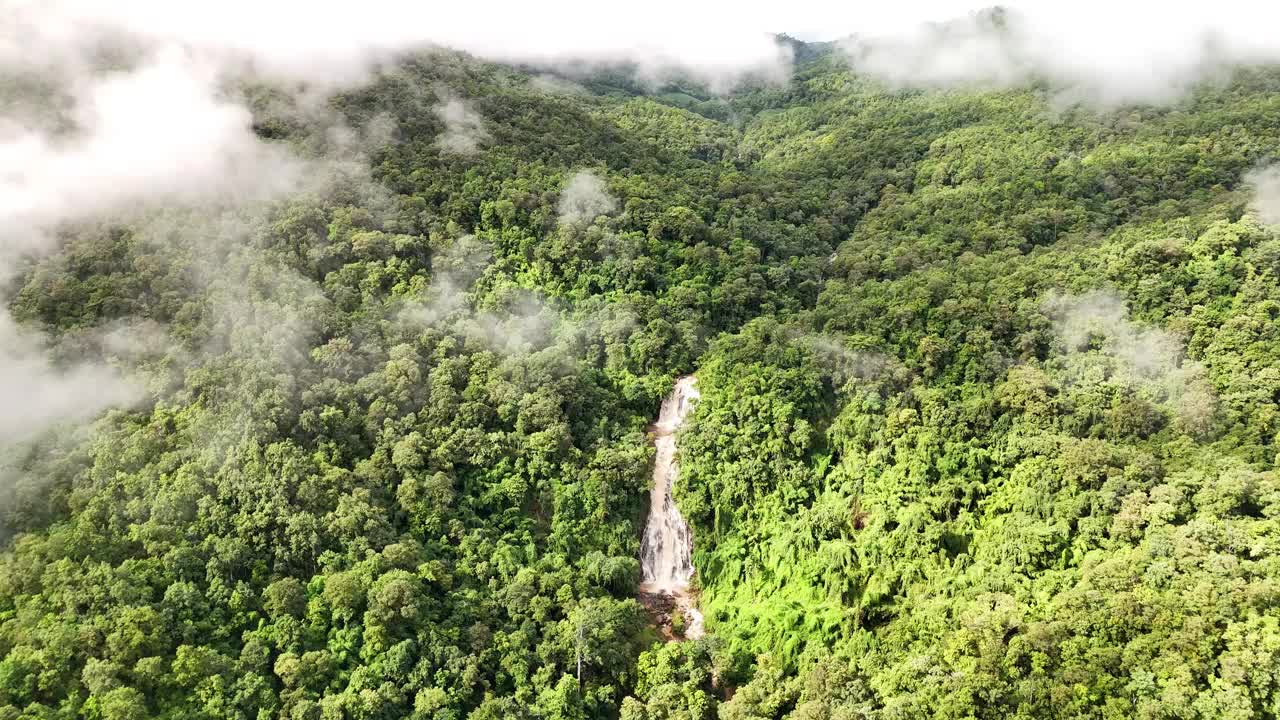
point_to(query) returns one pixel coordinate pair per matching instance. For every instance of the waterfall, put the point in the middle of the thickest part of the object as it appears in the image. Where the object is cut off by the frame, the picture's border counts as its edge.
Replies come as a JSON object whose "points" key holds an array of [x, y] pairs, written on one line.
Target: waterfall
{"points": [[666, 550]]}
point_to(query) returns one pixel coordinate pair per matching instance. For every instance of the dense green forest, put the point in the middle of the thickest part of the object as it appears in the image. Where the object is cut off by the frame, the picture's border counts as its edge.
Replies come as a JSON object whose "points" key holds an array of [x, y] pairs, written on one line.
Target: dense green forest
{"points": [[989, 422]]}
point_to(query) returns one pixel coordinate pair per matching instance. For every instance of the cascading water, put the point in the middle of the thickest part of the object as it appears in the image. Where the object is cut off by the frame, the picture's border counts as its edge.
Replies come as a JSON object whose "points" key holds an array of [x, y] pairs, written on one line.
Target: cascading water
{"points": [[666, 551]]}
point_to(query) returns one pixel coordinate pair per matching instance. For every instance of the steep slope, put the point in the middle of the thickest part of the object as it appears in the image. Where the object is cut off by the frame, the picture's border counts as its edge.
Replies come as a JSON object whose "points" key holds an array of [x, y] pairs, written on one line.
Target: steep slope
{"points": [[988, 417]]}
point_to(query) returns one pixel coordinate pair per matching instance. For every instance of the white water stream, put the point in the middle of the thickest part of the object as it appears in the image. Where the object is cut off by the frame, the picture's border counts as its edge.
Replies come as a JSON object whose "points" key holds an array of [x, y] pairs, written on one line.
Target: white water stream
{"points": [[666, 551]]}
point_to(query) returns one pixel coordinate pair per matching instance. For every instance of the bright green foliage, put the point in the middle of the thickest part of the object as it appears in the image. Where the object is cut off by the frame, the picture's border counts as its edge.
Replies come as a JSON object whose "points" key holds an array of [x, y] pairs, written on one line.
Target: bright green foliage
{"points": [[989, 418]]}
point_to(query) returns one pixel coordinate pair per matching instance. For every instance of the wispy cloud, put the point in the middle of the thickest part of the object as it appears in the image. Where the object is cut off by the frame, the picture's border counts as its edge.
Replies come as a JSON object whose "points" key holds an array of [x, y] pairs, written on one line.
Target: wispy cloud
{"points": [[334, 42], [142, 139], [584, 198], [1145, 357], [1108, 54], [845, 364], [463, 127], [1266, 193], [40, 394], [1149, 352]]}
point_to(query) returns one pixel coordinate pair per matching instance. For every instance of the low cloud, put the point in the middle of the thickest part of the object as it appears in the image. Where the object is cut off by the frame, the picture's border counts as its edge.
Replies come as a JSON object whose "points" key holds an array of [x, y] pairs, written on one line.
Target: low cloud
{"points": [[1145, 357], [584, 198], [334, 42], [40, 395], [555, 85], [845, 364], [1266, 193], [142, 139], [527, 325], [519, 322], [454, 270], [464, 128], [117, 128], [1098, 315], [1110, 54]]}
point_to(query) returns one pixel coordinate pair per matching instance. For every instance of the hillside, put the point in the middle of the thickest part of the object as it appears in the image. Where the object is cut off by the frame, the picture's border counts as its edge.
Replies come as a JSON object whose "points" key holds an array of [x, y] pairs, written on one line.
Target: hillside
{"points": [[988, 426]]}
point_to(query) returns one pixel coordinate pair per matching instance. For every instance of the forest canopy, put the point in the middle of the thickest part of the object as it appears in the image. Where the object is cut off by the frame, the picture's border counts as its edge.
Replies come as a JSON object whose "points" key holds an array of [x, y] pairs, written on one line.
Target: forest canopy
{"points": [[988, 428]]}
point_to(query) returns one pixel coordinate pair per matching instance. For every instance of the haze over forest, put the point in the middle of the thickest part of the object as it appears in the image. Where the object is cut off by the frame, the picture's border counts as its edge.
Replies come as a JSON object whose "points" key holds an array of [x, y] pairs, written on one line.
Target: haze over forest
{"points": [[348, 355]]}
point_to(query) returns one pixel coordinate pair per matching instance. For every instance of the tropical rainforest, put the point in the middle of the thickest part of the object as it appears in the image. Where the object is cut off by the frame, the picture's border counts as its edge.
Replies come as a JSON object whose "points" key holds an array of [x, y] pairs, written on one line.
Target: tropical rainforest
{"points": [[988, 428]]}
